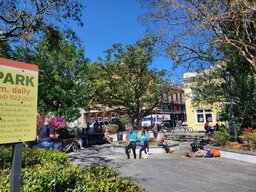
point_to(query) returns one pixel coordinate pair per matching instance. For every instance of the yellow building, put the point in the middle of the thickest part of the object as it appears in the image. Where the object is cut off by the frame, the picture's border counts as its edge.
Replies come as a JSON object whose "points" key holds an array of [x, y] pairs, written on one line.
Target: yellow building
{"points": [[197, 115]]}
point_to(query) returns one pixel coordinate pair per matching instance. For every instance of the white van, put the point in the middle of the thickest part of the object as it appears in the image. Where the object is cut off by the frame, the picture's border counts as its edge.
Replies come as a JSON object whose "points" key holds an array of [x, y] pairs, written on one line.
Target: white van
{"points": [[154, 119]]}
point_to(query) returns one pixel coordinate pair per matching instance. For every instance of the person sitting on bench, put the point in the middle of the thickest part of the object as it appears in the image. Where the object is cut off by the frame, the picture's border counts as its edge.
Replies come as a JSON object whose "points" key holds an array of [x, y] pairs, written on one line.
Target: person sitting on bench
{"points": [[132, 137], [107, 136], [165, 145], [144, 139]]}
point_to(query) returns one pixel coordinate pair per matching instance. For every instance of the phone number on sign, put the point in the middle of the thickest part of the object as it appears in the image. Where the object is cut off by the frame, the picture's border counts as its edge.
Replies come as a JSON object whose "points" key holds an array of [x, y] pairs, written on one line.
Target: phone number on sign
{"points": [[16, 98]]}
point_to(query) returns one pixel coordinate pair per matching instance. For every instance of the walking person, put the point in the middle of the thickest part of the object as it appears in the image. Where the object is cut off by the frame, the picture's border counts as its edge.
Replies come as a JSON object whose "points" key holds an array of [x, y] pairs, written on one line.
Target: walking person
{"points": [[144, 139], [132, 137]]}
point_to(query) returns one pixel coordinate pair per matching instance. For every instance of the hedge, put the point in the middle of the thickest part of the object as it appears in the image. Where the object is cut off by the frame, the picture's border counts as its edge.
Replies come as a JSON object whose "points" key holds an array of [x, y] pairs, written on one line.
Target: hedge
{"points": [[51, 171]]}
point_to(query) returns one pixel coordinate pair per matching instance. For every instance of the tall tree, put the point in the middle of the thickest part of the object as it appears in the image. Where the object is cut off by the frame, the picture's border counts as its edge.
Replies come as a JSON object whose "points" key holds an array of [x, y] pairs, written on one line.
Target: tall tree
{"points": [[125, 82], [23, 19], [64, 74], [189, 29], [210, 87]]}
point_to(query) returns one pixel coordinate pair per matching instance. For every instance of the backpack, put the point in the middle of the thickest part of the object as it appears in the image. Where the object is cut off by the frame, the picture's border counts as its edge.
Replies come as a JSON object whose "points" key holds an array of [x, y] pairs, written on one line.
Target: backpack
{"points": [[208, 155], [196, 146], [214, 152]]}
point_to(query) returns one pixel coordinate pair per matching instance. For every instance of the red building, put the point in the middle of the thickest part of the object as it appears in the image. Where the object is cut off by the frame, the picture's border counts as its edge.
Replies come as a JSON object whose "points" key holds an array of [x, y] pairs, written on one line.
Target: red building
{"points": [[174, 104]]}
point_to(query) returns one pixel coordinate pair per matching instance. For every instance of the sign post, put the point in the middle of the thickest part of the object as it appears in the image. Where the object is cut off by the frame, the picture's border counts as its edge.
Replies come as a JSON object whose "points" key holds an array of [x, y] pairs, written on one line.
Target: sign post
{"points": [[18, 110], [16, 167]]}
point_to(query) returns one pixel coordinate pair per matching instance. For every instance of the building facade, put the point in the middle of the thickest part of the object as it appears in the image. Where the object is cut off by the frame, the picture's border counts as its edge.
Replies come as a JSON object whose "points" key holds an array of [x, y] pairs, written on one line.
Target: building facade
{"points": [[88, 117], [174, 104], [197, 115]]}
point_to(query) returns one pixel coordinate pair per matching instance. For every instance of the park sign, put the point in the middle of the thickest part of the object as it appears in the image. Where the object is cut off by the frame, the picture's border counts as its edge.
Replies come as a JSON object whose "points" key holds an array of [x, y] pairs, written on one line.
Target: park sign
{"points": [[18, 101]]}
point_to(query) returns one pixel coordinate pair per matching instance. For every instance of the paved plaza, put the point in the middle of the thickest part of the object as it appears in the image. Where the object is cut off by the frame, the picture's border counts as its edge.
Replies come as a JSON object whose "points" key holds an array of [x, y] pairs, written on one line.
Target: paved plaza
{"points": [[171, 172]]}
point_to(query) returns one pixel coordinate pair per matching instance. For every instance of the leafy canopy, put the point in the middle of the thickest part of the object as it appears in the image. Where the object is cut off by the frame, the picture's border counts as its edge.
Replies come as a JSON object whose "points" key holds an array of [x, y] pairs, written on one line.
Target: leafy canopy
{"points": [[125, 82], [212, 87], [23, 20], [64, 83]]}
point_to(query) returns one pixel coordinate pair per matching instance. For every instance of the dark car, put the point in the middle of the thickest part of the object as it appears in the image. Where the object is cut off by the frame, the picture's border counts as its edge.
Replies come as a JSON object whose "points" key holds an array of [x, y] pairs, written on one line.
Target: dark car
{"points": [[168, 124]]}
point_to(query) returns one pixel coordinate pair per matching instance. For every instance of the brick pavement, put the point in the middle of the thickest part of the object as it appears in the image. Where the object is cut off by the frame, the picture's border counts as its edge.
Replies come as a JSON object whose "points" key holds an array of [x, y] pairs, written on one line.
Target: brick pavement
{"points": [[171, 172]]}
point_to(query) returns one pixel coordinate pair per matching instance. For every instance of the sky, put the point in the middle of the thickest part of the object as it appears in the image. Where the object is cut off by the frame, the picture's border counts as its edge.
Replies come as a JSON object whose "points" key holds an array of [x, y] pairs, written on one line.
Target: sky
{"points": [[115, 21]]}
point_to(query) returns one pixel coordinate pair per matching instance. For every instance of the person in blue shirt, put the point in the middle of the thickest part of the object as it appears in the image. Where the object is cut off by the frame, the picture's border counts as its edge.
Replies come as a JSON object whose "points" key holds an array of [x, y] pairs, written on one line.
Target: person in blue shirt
{"points": [[132, 137], [144, 139]]}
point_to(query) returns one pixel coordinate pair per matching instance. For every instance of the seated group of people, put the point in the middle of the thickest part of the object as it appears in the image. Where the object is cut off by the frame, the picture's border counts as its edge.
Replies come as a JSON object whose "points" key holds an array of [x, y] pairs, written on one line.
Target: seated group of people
{"points": [[132, 137]]}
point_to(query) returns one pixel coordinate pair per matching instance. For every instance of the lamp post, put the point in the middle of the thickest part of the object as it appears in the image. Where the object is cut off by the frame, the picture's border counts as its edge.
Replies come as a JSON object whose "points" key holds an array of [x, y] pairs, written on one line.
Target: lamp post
{"points": [[232, 117]]}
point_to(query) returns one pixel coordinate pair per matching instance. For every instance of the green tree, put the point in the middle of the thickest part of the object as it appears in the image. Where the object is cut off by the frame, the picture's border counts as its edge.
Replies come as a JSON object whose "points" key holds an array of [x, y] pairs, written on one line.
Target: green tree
{"points": [[64, 75], [23, 19], [210, 87], [125, 82]]}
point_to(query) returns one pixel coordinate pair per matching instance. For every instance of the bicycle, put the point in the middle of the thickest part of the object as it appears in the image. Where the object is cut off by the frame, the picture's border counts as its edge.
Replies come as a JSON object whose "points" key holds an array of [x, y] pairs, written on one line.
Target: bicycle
{"points": [[186, 129], [73, 144]]}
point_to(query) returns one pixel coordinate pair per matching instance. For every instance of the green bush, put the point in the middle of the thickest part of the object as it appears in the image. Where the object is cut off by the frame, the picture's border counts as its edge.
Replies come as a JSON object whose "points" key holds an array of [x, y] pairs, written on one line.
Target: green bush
{"points": [[113, 128], [249, 140], [221, 137], [50, 171], [5, 157], [121, 123]]}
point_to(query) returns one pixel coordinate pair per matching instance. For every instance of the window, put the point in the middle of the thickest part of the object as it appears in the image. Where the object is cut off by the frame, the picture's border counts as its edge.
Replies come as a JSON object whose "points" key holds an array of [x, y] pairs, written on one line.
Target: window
{"points": [[91, 118], [203, 114], [99, 117], [105, 117]]}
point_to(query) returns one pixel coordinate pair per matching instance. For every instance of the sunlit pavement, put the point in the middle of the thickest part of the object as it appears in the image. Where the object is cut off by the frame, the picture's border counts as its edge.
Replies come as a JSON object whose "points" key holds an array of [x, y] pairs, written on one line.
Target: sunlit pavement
{"points": [[172, 172]]}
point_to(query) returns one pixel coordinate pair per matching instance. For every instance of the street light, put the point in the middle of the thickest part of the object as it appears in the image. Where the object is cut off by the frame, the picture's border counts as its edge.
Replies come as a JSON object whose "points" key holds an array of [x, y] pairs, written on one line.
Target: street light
{"points": [[232, 117]]}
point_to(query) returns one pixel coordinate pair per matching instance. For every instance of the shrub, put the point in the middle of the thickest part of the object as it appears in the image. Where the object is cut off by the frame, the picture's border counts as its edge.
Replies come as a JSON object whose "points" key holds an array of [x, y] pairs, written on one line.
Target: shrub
{"points": [[250, 140], [221, 137], [121, 123], [248, 130], [113, 128], [5, 157], [49, 171], [32, 157]]}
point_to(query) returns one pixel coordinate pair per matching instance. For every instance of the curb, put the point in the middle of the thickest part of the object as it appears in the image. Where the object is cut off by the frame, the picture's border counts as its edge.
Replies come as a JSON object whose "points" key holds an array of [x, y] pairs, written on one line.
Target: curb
{"points": [[238, 156], [152, 150]]}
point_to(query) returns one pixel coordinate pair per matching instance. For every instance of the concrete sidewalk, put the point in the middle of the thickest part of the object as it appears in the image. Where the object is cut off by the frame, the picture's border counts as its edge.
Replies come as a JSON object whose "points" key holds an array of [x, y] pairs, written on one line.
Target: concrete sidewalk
{"points": [[171, 172]]}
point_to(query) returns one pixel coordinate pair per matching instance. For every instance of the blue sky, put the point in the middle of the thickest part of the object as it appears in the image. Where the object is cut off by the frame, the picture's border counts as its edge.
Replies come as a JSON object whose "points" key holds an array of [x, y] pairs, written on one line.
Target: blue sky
{"points": [[113, 21]]}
